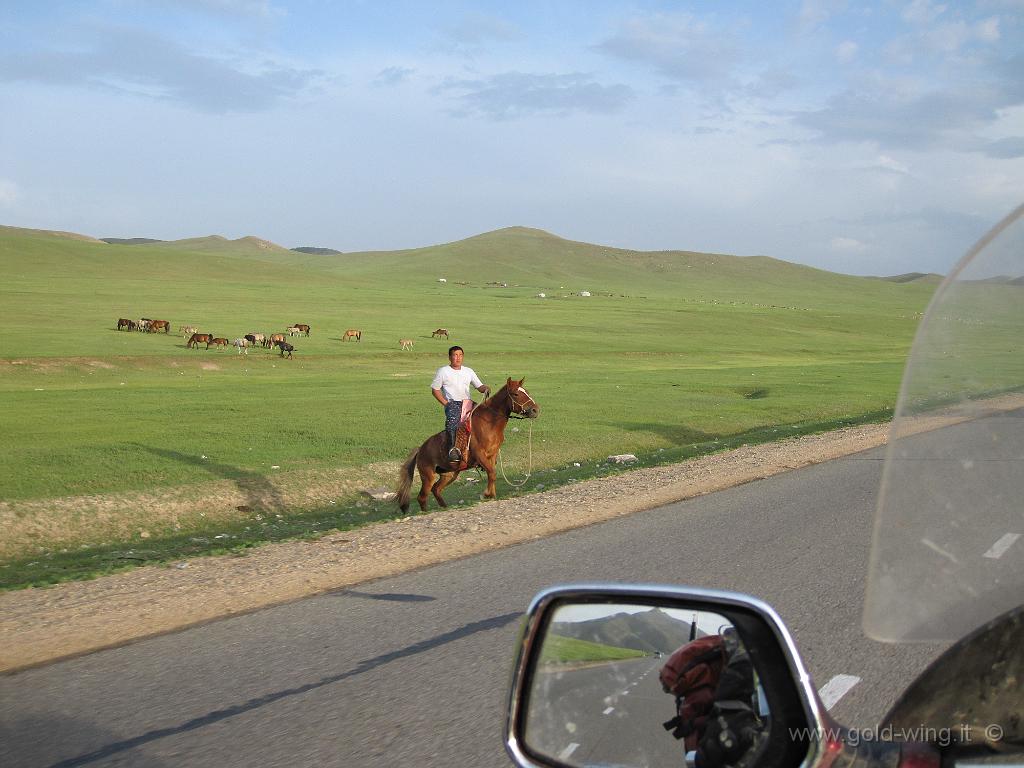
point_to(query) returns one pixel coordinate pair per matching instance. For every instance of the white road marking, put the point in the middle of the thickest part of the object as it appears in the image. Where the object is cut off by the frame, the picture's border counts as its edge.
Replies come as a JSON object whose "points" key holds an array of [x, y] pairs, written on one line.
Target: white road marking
{"points": [[940, 550], [999, 548], [836, 688], [608, 711], [564, 754]]}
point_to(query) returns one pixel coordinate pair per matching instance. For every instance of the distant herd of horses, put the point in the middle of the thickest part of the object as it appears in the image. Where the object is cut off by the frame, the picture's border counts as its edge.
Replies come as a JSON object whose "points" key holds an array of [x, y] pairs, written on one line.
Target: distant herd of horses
{"points": [[242, 343]]}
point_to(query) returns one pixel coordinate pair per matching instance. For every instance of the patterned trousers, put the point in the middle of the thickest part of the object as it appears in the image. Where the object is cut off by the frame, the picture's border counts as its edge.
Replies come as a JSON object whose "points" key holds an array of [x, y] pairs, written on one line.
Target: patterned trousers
{"points": [[452, 417]]}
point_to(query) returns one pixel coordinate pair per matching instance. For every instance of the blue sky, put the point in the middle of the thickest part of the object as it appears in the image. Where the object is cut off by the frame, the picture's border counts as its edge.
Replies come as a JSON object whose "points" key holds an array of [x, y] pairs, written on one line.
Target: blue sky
{"points": [[867, 138]]}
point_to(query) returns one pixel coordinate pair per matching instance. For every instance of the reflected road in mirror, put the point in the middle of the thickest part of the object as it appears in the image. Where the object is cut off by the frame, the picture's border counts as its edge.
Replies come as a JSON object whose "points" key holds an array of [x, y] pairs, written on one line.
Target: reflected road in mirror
{"points": [[642, 685]]}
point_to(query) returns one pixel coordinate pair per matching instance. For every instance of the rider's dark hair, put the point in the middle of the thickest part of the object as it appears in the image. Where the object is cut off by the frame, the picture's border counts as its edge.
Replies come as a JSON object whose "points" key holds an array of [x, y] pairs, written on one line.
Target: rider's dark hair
{"points": [[455, 349]]}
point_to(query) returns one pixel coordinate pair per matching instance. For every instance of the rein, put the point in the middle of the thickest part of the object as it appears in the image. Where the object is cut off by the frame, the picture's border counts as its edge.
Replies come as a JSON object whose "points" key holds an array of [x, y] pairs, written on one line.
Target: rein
{"points": [[529, 460], [529, 442]]}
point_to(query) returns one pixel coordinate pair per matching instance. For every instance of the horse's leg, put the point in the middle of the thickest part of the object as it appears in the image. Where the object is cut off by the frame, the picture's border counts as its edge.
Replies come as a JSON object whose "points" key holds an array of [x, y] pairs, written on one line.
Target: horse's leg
{"points": [[427, 475], [487, 462], [446, 479]]}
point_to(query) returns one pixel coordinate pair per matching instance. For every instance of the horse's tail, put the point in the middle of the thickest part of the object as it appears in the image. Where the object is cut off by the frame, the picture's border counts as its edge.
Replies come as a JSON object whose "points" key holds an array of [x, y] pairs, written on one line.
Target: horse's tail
{"points": [[405, 480]]}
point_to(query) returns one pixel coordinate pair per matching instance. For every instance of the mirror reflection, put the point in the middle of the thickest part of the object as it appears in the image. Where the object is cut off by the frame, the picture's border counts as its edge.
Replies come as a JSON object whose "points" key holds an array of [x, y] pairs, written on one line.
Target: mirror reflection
{"points": [[641, 685]]}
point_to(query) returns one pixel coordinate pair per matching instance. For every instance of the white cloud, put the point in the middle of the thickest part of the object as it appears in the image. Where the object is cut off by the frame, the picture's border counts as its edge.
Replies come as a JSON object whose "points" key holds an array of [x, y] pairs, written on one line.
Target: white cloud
{"points": [[948, 38], [890, 164], [9, 192], [903, 113], [922, 12], [846, 51], [137, 62], [260, 9], [516, 94], [680, 47], [814, 13], [478, 29], [988, 29], [393, 76], [847, 245]]}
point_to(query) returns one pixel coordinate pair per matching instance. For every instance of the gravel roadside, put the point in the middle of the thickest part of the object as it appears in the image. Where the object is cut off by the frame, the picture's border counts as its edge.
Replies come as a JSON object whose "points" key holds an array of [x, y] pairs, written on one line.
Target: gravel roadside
{"points": [[41, 625]]}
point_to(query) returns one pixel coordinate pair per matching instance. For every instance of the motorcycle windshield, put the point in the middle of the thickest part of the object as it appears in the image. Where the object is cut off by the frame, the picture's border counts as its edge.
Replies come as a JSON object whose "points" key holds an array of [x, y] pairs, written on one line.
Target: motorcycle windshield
{"points": [[948, 548]]}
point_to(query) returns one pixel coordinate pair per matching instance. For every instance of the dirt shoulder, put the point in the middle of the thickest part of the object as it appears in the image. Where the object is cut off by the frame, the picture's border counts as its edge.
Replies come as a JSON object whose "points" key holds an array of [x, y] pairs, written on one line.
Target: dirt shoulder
{"points": [[41, 625]]}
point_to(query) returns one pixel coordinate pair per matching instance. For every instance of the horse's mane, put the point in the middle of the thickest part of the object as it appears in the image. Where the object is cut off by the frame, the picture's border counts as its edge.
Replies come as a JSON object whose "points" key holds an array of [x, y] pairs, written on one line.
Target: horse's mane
{"points": [[491, 402]]}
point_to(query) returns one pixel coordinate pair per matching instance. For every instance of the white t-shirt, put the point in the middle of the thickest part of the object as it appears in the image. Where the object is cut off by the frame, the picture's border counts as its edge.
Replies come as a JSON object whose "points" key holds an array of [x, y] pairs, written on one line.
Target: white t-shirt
{"points": [[455, 384]]}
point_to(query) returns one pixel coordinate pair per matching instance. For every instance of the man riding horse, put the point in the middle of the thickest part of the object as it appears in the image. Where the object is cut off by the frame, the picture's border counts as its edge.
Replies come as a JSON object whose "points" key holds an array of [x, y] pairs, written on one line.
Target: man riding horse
{"points": [[451, 389], [437, 471]]}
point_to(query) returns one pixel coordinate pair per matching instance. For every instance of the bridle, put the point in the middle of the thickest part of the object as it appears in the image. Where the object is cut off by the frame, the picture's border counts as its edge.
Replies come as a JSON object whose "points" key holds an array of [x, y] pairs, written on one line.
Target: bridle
{"points": [[523, 407]]}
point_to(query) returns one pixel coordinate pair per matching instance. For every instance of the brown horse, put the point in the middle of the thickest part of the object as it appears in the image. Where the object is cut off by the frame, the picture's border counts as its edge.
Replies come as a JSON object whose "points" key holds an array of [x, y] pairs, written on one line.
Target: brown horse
{"points": [[439, 333], [199, 338], [489, 420], [352, 333]]}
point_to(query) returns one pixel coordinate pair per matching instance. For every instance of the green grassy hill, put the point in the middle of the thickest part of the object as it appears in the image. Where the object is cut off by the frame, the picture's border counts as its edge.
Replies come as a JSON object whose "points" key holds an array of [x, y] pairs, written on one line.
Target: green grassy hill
{"points": [[915, 277], [672, 354], [566, 650], [218, 244]]}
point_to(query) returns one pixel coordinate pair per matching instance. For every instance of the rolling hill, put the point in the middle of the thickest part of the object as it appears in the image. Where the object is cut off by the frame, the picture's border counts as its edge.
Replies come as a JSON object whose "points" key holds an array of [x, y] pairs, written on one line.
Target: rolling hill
{"points": [[520, 256], [648, 631], [221, 245]]}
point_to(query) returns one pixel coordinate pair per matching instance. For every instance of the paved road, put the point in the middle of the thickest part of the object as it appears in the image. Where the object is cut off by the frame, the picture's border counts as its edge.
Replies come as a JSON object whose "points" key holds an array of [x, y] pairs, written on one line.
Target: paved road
{"points": [[413, 670], [613, 712]]}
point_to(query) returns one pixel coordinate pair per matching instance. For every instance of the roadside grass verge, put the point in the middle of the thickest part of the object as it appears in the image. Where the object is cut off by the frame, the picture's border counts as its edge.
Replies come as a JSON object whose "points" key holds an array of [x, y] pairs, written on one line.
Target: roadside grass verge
{"points": [[73, 559]]}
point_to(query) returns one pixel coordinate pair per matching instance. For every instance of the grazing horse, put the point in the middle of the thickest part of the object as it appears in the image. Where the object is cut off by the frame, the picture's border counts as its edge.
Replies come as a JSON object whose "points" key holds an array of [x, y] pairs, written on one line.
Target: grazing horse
{"points": [[125, 324], [157, 325], [187, 330], [217, 342], [199, 338], [439, 333], [292, 330], [405, 343], [286, 347], [242, 344], [352, 333], [271, 341], [489, 420], [303, 328]]}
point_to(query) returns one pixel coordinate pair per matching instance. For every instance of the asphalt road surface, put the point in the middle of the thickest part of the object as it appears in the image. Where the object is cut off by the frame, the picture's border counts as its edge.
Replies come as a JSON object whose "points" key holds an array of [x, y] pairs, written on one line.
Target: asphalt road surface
{"points": [[606, 714], [414, 670]]}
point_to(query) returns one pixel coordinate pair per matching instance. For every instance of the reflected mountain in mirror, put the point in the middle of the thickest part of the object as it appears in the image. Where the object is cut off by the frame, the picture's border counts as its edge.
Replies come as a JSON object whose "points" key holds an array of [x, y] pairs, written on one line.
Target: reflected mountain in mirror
{"points": [[636, 685]]}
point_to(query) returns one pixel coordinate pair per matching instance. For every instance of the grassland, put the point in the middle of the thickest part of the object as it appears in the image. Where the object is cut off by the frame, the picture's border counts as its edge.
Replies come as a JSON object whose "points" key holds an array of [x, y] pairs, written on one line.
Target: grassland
{"points": [[673, 354], [566, 650]]}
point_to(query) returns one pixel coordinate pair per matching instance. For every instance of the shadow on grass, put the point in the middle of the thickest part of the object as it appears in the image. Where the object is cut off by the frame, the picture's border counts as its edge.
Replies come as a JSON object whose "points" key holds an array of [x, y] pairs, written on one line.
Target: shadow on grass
{"points": [[676, 434], [259, 492]]}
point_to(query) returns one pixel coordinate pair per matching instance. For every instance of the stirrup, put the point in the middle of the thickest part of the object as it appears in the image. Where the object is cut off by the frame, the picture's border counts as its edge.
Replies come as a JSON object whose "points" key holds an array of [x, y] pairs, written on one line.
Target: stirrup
{"points": [[454, 455]]}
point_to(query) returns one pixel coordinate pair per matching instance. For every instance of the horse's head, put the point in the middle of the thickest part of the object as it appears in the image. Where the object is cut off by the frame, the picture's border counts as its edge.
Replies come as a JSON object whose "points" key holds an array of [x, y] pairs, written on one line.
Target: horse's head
{"points": [[521, 402]]}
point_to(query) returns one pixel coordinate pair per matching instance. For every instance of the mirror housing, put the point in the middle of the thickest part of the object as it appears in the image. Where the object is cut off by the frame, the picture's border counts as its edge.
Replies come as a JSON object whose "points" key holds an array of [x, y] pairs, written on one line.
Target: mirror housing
{"points": [[794, 731]]}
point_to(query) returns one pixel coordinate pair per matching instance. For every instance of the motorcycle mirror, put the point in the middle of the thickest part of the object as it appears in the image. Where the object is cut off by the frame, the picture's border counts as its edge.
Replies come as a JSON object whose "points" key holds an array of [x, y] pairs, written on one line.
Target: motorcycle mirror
{"points": [[641, 676]]}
